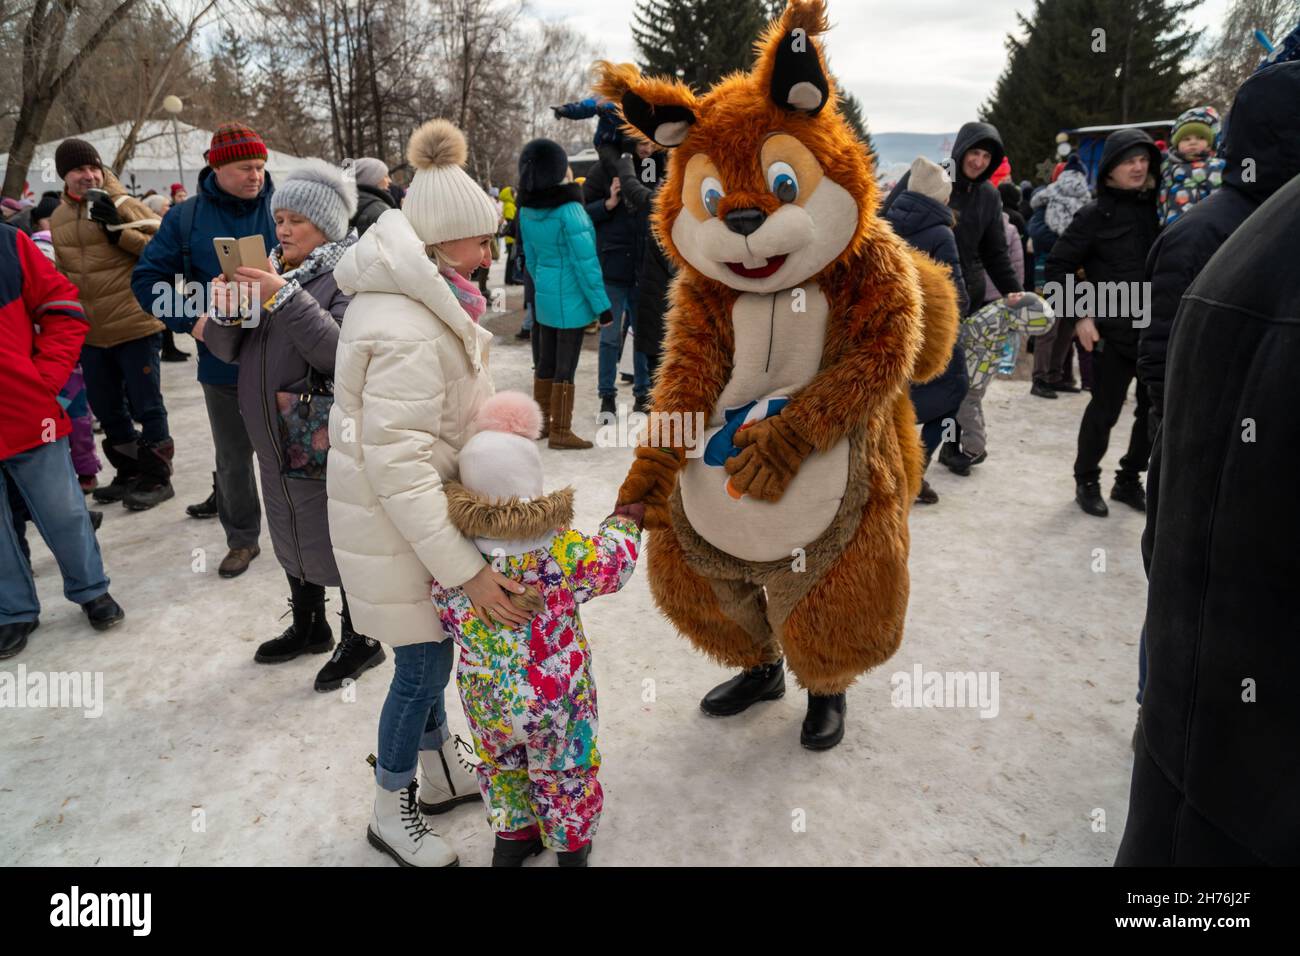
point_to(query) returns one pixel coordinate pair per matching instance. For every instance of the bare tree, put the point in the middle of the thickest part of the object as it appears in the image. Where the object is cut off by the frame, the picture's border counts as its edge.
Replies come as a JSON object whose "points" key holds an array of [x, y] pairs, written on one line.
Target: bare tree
{"points": [[51, 59], [1233, 53]]}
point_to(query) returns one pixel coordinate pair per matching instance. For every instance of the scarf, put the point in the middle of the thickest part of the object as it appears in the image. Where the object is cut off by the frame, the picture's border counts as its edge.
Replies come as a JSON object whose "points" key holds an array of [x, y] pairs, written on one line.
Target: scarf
{"points": [[471, 300], [551, 196], [319, 261]]}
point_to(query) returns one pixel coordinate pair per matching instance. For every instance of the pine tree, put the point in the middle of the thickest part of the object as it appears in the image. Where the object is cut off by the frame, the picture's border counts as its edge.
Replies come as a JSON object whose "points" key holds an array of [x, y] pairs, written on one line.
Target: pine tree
{"points": [[851, 110], [698, 41], [1086, 63]]}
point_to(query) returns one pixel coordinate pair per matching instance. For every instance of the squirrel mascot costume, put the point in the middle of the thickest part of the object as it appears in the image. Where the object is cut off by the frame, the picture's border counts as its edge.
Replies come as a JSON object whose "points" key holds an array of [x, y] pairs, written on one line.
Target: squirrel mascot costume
{"points": [[795, 324]]}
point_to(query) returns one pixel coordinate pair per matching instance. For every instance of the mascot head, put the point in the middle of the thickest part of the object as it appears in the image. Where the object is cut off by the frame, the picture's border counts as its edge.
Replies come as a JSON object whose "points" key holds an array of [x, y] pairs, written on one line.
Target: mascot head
{"points": [[767, 184]]}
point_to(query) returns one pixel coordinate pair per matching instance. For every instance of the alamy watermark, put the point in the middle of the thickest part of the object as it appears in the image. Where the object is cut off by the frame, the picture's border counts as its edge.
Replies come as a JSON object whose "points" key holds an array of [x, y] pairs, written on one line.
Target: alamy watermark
{"points": [[922, 688], [76, 690], [656, 429], [1072, 299]]}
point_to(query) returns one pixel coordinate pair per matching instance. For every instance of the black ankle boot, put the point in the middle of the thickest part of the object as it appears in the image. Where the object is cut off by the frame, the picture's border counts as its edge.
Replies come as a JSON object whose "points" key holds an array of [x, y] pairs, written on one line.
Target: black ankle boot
{"points": [[823, 727], [576, 857], [1088, 495], [514, 852], [764, 682], [355, 655], [1129, 491], [308, 634]]}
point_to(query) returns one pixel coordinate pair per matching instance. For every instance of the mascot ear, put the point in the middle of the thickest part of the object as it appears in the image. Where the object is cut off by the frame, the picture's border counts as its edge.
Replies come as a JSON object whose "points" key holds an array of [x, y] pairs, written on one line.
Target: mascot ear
{"points": [[662, 111], [796, 78]]}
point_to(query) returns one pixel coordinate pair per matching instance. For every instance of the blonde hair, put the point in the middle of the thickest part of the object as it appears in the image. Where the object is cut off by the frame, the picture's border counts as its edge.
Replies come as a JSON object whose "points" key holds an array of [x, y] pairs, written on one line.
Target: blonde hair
{"points": [[440, 258]]}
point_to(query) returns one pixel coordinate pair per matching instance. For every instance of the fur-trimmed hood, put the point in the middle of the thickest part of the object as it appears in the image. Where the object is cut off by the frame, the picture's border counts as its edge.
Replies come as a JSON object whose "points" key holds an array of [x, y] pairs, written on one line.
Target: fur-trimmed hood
{"points": [[513, 520]]}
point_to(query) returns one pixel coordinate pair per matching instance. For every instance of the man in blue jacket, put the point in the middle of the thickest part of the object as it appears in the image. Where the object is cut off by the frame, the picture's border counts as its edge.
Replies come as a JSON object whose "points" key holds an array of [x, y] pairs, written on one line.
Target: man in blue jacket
{"points": [[233, 200]]}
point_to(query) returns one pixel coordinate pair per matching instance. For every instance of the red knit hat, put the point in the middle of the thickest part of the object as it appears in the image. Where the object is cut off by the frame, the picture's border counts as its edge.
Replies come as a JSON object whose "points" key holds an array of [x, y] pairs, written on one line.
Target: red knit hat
{"points": [[234, 141]]}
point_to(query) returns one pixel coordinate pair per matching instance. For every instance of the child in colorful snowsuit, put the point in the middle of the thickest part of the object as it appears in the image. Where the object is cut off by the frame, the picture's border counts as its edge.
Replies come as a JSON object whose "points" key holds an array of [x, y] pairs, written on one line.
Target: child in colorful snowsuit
{"points": [[1191, 171], [984, 337], [528, 692]]}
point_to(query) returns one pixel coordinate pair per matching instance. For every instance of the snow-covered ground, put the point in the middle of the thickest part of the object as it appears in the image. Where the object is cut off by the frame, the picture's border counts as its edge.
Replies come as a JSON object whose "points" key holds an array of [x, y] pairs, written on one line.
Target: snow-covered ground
{"points": [[203, 757]]}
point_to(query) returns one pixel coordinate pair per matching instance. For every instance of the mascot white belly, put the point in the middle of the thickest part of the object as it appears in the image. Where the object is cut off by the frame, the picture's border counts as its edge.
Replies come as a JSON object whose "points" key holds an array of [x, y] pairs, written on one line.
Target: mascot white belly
{"points": [[778, 349]]}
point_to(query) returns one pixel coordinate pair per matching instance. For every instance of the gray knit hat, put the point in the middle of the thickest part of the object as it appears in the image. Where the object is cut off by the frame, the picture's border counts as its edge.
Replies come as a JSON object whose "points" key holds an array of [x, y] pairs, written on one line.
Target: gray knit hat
{"points": [[321, 193], [930, 179], [369, 171]]}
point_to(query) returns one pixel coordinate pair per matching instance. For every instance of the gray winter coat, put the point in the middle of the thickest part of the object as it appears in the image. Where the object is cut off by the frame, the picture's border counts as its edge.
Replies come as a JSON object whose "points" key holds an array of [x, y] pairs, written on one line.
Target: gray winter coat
{"points": [[275, 357]]}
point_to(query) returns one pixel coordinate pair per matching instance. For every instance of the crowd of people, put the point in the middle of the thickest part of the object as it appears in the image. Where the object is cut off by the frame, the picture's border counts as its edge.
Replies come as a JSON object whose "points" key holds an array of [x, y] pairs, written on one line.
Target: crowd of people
{"points": [[348, 372]]}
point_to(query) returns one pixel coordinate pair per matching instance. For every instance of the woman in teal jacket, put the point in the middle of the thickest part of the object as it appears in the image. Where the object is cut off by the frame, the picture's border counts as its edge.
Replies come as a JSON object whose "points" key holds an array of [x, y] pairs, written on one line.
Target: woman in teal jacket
{"points": [[560, 255]]}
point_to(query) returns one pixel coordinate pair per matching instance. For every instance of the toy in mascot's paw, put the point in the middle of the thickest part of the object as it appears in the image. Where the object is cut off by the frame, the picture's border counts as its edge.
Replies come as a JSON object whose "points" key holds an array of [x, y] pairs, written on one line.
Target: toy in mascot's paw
{"points": [[796, 322]]}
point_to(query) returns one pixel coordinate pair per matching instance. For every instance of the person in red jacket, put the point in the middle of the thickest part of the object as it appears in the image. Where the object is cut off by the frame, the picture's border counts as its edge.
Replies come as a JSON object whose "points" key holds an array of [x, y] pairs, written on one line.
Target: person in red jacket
{"points": [[42, 327]]}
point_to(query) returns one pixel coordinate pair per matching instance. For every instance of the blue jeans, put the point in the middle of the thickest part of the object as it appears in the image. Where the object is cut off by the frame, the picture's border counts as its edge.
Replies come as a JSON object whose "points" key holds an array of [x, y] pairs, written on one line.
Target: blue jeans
{"points": [[414, 717], [622, 299], [124, 382], [47, 483]]}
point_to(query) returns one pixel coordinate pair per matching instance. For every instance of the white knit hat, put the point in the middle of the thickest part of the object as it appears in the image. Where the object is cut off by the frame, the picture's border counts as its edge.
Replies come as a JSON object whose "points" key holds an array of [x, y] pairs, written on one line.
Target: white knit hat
{"points": [[930, 179], [443, 203], [500, 460]]}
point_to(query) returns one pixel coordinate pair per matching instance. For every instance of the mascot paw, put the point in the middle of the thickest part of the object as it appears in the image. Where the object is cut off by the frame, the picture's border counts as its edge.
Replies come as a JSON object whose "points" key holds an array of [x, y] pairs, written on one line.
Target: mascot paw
{"points": [[651, 477], [771, 452]]}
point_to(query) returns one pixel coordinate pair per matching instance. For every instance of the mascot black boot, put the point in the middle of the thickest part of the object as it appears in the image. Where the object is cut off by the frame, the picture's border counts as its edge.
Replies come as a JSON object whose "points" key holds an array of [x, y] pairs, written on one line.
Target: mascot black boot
{"points": [[823, 727], [764, 682]]}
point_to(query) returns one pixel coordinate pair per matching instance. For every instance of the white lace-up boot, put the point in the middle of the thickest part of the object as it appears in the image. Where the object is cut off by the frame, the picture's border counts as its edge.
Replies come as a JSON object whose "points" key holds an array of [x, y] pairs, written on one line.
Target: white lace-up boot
{"points": [[397, 829], [447, 777]]}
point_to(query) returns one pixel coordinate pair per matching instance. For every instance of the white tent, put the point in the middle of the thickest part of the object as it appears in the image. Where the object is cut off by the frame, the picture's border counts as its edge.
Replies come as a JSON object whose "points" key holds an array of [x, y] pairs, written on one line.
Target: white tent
{"points": [[153, 164]]}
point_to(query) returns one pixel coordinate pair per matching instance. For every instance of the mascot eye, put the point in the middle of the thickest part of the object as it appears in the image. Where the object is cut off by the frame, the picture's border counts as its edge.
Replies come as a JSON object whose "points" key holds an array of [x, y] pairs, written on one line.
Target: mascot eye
{"points": [[711, 193], [783, 182]]}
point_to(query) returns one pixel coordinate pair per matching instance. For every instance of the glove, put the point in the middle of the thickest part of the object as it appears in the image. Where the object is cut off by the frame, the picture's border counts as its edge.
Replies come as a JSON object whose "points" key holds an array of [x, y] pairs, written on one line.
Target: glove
{"points": [[605, 318], [771, 452], [650, 481], [105, 213], [559, 113]]}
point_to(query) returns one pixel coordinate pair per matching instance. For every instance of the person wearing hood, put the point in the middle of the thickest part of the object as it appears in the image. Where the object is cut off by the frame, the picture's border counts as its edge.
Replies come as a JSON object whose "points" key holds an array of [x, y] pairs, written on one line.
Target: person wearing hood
{"points": [[920, 216], [1055, 206], [233, 200], [1215, 773], [560, 251], [1108, 240], [283, 355], [373, 196], [99, 235], [410, 377]]}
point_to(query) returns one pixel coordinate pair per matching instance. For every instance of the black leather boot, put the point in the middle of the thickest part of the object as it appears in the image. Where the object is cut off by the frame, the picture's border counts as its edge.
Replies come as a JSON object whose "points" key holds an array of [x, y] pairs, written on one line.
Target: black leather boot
{"points": [[103, 612], [126, 462], [764, 682], [513, 852], [1129, 491], [355, 655], [308, 634], [576, 857], [823, 727], [1088, 495]]}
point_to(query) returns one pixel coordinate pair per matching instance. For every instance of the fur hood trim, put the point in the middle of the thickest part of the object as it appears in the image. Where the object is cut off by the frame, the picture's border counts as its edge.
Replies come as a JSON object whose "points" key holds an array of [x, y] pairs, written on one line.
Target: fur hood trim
{"points": [[476, 517]]}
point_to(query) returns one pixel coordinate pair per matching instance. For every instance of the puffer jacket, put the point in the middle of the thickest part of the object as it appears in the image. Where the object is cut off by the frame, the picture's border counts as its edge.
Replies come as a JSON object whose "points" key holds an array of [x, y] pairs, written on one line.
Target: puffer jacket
{"points": [[409, 376], [100, 269], [560, 248], [276, 356], [1062, 200], [372, 202]]}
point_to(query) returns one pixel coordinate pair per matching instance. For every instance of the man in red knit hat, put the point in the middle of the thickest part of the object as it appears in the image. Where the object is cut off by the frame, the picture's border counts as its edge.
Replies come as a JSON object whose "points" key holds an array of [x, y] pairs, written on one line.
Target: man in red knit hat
{"points": [[233, 199]]}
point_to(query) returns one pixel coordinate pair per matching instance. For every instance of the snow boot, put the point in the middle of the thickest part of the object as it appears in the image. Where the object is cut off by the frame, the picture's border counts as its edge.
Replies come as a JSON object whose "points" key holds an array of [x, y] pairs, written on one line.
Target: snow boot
{"points": [[609, 406], [1129, 491], [823, 727], [208, 507], [154, 485], [447, 776], [355, 655], [954, 459], [509, 853], [1088, 495], [308, 634], [576, 857], [764, 682], [396, 828], [562, 436], [125, 458], [542, 396]]}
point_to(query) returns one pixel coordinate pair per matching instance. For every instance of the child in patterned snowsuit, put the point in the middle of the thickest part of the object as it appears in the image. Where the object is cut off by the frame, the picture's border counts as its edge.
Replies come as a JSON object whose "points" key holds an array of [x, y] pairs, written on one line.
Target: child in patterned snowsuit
{"points": [[528, 692], [1191, 171]]}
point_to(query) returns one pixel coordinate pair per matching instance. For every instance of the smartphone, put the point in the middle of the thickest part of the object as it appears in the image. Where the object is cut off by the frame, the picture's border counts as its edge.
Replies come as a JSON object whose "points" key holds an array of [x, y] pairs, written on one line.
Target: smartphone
{"points": [[232, 253], [92, 196]]}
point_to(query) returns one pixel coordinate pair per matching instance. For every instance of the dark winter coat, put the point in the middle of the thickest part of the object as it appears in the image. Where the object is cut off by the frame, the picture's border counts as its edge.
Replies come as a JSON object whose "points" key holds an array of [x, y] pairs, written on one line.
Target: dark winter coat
{"points": [[1265, 128], [981, 240], [372, 202], [1216, 772], [217, 213], [1110, 237], [275, 356], [654, 271], [616, 229]]}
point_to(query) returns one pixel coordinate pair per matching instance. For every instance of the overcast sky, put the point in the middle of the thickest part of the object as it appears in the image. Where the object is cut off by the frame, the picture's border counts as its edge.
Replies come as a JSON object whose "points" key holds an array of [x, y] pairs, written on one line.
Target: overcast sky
{"points": [[917, 65]]}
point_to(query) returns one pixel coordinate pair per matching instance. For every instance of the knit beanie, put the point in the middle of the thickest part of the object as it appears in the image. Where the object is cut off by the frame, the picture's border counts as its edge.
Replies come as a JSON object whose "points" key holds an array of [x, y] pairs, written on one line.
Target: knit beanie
{"points": [[1202, 121], [73, 154], [234, 141], [543, 163], [500, 460], [929, 179], [443, 203], [369, 171], [45, 207], [321, 193], [155, 202], [176, 188]]}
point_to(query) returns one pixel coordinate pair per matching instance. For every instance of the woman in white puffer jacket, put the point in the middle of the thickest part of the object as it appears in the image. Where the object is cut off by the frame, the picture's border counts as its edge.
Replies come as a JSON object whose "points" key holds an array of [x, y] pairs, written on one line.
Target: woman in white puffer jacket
{"points": [[409, 377]]}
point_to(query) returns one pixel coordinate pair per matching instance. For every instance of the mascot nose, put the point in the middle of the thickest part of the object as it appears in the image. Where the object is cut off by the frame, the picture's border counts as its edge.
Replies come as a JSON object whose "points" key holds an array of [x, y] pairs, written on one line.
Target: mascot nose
{"points": [[745, 221]]}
